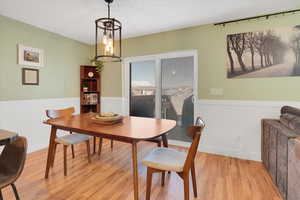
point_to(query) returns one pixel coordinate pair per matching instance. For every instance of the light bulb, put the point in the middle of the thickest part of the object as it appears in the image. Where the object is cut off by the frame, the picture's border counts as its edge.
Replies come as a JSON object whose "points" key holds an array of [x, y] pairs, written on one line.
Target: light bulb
{"points": [[105, 39]]}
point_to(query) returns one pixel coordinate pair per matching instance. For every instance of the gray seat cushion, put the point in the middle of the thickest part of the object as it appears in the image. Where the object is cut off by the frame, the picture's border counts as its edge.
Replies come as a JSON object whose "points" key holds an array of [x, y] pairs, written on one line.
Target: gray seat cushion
{"points": [[165, 159], [74, 138]]}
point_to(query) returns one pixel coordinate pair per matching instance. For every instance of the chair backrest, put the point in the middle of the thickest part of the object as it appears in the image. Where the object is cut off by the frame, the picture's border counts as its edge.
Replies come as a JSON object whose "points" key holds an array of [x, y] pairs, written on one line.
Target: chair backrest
{"points": [[60, 113], [195, 132], [12, 160]]}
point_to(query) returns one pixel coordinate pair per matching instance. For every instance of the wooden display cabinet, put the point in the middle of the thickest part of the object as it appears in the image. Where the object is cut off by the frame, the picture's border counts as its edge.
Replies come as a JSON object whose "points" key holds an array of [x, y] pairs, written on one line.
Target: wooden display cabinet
{"points": [[89, 89]]}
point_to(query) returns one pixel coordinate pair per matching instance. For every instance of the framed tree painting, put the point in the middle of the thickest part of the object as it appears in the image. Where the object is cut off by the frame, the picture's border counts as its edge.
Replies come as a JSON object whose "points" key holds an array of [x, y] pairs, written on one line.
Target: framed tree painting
{"points": [[30, 56], [269, 53]]}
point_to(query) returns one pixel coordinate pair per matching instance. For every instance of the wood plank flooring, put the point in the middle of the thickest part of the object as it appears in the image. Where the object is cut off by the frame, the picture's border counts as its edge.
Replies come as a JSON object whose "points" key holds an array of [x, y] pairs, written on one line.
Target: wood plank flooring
{"points": [[109, 177]]}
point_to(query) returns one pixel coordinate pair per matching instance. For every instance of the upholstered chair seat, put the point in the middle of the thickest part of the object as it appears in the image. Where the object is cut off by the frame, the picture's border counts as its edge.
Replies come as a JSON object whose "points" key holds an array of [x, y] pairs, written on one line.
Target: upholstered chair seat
{"points": [[165, 159], [74, 138]]}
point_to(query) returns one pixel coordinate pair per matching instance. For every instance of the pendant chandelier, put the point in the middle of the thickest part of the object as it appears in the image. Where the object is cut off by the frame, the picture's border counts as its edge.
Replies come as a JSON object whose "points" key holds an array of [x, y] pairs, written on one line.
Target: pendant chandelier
{"points": [[108, 38]]}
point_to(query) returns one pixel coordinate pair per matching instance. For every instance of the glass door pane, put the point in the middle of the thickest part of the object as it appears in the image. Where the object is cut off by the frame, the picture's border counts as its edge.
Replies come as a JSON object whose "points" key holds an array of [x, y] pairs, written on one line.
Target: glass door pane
{"points": [[177, 78], [142, 88]]}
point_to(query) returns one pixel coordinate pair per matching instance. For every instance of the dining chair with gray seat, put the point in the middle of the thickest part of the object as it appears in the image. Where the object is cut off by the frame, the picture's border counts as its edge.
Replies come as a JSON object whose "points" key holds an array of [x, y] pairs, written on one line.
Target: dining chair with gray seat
{"points": [[161, 160], [12, 161], [67, 140]]}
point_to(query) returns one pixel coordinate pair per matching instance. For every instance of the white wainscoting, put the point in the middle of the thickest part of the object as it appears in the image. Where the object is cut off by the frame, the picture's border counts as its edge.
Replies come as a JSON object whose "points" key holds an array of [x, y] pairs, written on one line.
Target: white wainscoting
{"points": [[232, 127], [26, 118]]}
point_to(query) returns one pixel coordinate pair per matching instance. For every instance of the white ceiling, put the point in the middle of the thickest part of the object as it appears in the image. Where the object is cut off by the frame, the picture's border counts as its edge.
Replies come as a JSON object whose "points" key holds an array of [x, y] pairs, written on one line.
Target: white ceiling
{"points": [[75, 18]]}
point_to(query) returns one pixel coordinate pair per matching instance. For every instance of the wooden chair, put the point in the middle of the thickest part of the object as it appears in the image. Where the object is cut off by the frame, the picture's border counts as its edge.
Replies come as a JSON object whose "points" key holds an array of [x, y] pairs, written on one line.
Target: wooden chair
{"points": [[161, 160], [12, 162], [68, 140]]}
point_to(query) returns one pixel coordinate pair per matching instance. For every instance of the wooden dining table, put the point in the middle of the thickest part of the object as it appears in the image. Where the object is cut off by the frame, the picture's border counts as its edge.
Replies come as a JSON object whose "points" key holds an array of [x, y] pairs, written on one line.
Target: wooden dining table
{"points": [[132, 130]]}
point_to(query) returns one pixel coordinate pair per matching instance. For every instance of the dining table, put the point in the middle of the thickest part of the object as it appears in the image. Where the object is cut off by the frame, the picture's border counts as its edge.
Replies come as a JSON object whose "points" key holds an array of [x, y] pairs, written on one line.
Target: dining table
{"points": [[7, 137], [131, 130]]}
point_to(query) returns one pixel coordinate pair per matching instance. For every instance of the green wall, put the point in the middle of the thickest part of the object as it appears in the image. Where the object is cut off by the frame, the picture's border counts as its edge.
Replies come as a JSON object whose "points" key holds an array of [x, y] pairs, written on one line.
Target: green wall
{"points": [[210, 41], [58, 78]]}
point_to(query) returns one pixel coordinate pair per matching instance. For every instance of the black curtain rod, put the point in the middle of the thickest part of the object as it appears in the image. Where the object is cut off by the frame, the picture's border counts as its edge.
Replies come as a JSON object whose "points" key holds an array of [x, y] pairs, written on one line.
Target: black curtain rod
{"points": [[260, 16]]}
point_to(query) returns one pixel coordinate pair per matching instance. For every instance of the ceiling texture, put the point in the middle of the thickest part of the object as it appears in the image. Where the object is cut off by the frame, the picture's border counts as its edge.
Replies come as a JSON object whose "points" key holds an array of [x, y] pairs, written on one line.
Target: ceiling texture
{"points": [[75, 18]]}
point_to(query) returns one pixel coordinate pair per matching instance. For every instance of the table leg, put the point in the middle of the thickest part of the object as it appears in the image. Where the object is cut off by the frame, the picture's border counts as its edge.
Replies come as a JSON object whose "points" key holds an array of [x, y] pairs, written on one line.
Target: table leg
{"points": [[50, 149], [135, 171], [94, 143], [165, 141]]}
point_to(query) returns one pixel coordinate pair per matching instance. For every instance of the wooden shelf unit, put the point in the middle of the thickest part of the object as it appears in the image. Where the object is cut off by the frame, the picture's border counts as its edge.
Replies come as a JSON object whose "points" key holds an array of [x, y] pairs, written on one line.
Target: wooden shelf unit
{"points": [[90, 99]]}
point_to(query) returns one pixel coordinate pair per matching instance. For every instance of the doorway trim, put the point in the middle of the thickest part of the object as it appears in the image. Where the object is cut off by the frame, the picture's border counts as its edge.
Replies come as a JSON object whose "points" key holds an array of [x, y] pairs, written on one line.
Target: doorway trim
{"points": [[157, 58]]}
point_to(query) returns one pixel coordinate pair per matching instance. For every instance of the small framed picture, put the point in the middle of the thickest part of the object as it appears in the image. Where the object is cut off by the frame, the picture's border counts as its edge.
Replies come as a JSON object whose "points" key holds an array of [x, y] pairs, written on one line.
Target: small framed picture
{"points": [[30, 56], [30, 76]]}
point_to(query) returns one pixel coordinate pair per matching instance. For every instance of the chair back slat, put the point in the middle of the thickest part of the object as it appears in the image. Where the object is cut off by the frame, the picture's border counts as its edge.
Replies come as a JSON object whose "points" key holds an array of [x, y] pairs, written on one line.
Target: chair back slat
{"points": [[195, 132], [60, 113]]}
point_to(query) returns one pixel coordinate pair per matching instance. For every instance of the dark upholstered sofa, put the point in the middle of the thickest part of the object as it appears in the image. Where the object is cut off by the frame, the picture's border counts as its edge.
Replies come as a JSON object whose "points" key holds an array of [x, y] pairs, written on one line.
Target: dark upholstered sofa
{"points": [[281, 151]]}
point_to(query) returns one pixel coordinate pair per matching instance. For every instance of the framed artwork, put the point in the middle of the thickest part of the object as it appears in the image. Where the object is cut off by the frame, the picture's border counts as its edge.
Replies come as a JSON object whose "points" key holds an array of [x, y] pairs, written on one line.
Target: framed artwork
{"points": [[30, 56], [30, 76], [272, 52]]}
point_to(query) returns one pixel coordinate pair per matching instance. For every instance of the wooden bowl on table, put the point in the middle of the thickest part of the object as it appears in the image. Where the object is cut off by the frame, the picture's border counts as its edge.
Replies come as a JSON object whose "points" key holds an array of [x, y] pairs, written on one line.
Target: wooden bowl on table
{"points": [[107, 118]]}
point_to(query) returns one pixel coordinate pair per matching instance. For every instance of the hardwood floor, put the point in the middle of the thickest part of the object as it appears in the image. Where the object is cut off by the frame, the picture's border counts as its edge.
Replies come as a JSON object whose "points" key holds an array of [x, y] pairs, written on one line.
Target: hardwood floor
{"points": [[110, 177]]}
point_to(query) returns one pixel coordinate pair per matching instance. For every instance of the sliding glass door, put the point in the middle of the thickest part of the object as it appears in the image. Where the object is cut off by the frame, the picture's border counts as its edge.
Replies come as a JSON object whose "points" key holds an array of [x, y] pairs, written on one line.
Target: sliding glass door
{"points": [[177, 78], [142, 89], [163, 86]]}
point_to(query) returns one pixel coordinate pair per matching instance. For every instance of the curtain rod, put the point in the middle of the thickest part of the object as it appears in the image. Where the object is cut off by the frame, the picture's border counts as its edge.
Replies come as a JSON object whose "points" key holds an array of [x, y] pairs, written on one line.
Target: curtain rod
{"points": [[260, 16]]}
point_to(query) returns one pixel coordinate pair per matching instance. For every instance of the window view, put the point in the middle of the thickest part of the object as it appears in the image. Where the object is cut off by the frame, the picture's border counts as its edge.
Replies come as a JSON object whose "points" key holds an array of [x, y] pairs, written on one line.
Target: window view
{"points": [[177, 94], [176, 98], [142, 101]]}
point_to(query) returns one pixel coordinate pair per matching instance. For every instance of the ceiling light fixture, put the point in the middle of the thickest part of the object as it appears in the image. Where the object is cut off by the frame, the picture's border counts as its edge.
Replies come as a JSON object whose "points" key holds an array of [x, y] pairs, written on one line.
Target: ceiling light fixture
{"points": [[108, 38]]}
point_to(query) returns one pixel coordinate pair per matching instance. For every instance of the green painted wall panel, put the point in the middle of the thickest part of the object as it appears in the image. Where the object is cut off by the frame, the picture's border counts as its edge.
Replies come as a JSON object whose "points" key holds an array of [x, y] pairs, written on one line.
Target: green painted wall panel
{"points": [[210, 42], [59, 77]]}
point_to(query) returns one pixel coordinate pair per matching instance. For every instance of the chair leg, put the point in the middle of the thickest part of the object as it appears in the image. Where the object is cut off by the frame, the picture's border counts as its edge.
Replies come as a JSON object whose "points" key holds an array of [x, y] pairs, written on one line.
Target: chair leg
{"points": [[186, 187], [72, 147], [73, 152], [112, 144], [163, 175], [194, 179], [53, 157], [15, 191], [88, 150], [149, 183], [65, 160], [159, 144], [100, 146], [1, 197]]}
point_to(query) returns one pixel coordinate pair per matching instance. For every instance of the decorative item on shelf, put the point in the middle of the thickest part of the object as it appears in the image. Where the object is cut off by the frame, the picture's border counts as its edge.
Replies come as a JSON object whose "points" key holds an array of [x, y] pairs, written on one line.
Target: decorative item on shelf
{"points": [[30, 56], [108, 38], [99, 65], [30, 76], [107, 118], [90, 99], [91, 74], [85, 87]]}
